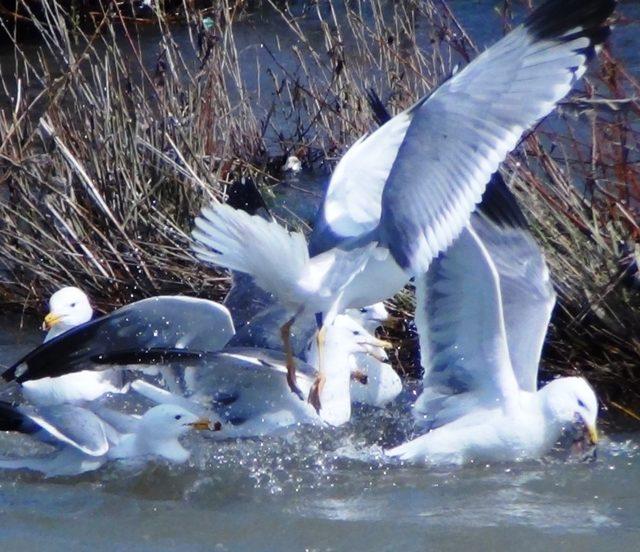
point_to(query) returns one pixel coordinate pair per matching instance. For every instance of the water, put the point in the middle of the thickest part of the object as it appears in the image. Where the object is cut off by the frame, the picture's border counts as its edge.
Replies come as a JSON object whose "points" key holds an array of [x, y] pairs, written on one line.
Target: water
{"points": [[319, 491], [323, 492]]}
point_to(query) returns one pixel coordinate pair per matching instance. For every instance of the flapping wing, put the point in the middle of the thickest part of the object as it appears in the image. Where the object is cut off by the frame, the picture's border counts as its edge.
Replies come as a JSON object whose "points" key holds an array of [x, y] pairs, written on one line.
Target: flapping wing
{"points": [[528, 297], [459, 135], [58, 425], [352, 203], [157, 322], [462, 333], [233, 239]]}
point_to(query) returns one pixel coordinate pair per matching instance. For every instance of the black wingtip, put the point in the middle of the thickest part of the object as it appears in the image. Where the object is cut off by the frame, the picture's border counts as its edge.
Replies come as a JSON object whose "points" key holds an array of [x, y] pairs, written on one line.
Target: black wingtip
{"points": [[500, 206], [9, 374], [570, 19], [380, 112], [11, 419]]}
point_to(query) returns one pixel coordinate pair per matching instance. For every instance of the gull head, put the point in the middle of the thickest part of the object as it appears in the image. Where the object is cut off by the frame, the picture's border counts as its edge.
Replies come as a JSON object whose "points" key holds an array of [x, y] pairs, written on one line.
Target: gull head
{"points": [[292, 164], [68, 307], [349, 337], [572, 401], [168, 421], [370, 317]]}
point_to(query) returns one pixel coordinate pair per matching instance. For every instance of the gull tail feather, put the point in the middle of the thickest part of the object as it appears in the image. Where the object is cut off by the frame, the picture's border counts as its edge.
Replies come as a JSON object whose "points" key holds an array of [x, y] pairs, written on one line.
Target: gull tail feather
{"points": [[238, 241]]}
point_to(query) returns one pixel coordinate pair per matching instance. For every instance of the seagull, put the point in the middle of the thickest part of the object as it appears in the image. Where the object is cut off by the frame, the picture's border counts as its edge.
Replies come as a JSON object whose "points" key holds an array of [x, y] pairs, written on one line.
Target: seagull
{"points": [[403, 194], [247, 387], [374, 382], [482, 318], [157, 322], [84, 442], [69, 307], [279, 263]]}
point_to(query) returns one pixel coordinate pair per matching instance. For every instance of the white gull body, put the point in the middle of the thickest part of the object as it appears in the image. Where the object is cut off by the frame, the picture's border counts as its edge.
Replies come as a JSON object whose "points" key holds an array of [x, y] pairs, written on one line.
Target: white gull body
{"points": [[85, 442], [484, 314]]}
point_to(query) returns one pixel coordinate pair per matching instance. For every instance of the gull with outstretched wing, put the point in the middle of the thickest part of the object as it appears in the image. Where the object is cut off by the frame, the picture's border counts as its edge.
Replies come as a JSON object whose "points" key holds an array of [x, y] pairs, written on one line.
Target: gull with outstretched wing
{"points": [[482, 314], [403, 194]]}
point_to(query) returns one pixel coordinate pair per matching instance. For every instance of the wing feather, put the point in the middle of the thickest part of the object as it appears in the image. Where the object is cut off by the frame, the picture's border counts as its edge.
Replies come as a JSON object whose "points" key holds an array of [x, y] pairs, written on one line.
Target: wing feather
{"points": [[463, 339], [459, 135], [528, 297]]}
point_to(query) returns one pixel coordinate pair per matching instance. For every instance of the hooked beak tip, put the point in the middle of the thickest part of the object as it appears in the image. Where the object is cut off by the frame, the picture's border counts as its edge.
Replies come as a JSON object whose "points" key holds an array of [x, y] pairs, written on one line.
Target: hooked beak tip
{"points": [[50, 321]]}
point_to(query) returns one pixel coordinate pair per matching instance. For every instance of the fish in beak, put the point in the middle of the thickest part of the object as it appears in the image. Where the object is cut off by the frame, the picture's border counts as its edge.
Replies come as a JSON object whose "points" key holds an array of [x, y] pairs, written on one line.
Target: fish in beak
{"points": [[204, 424], [51, 320], [588, 432]]}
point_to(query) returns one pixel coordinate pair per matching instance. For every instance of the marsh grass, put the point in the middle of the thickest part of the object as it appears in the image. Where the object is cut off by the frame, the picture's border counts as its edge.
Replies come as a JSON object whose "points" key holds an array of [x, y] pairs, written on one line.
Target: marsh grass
{"points": [[105, 157], [105, 160]]}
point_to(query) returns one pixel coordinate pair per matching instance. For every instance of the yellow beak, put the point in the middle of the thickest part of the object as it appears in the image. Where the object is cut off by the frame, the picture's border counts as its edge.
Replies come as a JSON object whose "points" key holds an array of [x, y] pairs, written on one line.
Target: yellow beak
{"points": [[375, 342], [369, 347], [50, 321], [205, 424], [593, 434]]}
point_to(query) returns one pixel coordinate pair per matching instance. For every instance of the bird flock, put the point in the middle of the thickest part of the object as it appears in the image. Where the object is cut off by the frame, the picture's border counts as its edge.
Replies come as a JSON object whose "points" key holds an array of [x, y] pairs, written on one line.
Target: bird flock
{"points": [[420, 200]]}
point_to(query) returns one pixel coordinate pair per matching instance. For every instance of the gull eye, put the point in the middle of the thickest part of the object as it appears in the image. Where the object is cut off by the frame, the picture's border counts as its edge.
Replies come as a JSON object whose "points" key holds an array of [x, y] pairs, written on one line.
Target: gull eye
{"points": [[581, 404], [178, 416], [73, 305], [356, 332], [363, 309]]}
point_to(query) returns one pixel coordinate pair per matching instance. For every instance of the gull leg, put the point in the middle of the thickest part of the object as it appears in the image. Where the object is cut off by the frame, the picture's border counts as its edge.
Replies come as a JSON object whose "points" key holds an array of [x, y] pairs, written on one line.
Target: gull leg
{"points": [[318, 384], [285, 333], [316, 389]]}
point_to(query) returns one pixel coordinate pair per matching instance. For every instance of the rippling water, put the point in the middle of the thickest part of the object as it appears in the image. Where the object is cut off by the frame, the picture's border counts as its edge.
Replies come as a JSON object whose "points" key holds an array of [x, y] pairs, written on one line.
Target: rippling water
{"points": [[321, 491]]}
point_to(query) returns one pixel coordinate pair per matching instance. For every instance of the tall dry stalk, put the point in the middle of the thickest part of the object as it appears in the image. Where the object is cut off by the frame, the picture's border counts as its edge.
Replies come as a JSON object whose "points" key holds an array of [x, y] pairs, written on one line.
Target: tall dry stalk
{"points": [[105, 161]]}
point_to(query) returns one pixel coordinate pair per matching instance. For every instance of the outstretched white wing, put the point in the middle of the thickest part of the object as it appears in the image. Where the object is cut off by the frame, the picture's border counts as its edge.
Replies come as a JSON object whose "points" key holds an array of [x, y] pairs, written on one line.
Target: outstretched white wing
{"points": [[233, 239], [527, 294], [462, 333], [421, 174], [459, 136]]}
